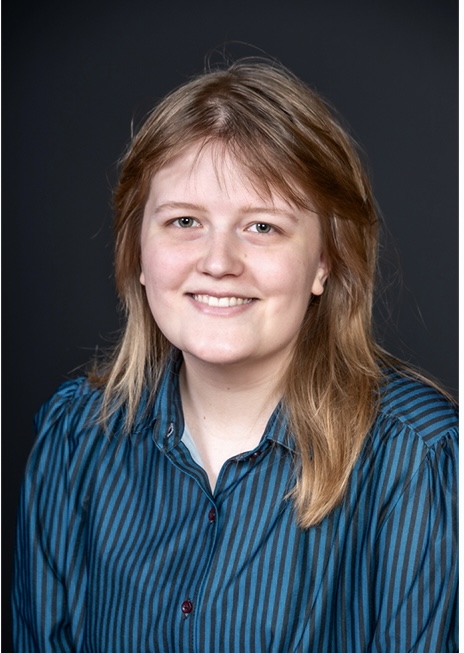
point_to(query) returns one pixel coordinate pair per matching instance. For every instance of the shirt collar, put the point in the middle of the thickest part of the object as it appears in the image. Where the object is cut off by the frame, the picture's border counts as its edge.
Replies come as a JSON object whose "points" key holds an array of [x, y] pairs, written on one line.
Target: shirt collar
{"points": [[166, 421]]}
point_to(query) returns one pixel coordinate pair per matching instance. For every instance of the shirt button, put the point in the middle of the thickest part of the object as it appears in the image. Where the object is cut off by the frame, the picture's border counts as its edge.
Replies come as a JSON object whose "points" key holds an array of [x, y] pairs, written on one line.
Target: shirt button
{"points": [[254, 455], [186, 607], [212, 515]]}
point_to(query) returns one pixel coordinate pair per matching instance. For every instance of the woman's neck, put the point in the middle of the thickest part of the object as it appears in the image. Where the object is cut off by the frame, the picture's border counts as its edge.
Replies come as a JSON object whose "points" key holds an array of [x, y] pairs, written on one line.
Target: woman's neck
{"points": [[226, 409]]}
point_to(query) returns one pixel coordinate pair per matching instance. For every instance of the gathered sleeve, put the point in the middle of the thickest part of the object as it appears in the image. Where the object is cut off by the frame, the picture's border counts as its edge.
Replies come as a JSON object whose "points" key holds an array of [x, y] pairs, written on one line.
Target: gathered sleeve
{"points": [[44, 550], [416, 554]]}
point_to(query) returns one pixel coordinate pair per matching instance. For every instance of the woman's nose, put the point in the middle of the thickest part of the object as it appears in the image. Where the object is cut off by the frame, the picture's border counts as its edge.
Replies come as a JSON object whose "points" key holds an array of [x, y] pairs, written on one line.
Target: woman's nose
{"points": [[222, 255]]}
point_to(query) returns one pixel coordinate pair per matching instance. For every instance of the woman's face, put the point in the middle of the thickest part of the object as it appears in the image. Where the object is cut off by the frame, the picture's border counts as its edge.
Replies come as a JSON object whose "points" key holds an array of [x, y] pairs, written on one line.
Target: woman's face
{"points": [[228, 274]]}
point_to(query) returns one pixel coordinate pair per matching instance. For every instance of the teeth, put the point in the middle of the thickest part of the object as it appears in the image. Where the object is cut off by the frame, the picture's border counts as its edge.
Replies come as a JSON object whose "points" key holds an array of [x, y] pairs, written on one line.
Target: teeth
{"points": [[223, 302]]}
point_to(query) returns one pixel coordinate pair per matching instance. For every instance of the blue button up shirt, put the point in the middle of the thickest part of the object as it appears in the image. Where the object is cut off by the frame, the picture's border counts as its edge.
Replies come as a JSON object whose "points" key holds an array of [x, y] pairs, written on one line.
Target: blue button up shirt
{"points": [[122, 546]]}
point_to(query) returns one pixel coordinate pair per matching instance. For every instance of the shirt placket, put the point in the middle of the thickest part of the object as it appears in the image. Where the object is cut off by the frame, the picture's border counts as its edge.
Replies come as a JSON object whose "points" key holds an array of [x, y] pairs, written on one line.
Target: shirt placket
{"points": [[190, 604]]}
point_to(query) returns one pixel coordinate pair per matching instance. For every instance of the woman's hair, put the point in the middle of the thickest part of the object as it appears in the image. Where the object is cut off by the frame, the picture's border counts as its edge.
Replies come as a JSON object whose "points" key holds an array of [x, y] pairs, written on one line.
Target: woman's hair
{"points": [[288, 142]]}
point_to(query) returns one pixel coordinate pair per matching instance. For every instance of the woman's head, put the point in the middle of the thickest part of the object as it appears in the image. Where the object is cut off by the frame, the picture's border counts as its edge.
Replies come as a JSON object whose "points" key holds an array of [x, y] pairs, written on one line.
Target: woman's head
{"points": [[288, 143]]}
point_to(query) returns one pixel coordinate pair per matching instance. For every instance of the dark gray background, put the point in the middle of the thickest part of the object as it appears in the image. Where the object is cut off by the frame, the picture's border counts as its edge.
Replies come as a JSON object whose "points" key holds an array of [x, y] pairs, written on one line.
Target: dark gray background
{"points": [[74, 77]]}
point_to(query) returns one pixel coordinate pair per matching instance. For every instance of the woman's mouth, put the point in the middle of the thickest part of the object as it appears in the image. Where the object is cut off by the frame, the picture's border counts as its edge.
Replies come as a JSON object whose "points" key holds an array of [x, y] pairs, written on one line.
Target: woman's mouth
{"points": [[222, 302]]}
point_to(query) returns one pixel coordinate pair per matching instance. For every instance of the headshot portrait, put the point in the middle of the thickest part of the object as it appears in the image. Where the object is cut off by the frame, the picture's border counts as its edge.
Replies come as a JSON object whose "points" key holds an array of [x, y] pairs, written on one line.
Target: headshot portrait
{"points": [[231, 381]]}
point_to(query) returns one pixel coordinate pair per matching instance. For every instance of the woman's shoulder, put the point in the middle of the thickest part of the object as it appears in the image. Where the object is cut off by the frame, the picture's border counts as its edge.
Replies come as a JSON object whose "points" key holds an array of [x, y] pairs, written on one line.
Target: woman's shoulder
{"points": [[72, 411], [410, 402], [412, 446], [70, 399]]}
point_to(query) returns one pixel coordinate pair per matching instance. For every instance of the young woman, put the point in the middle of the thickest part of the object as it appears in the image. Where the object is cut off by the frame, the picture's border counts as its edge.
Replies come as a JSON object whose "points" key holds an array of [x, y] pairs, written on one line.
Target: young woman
{"points": [[250, 472]]}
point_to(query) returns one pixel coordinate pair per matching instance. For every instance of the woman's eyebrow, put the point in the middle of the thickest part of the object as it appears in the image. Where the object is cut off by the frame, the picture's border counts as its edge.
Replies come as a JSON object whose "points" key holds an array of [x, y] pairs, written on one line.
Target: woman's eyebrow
{"points": [[187, 206], [269, 210], [272, 210]]}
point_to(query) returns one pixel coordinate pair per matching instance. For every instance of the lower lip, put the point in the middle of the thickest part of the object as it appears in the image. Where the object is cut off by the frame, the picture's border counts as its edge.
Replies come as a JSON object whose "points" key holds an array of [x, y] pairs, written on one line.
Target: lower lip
{"points": [[224, 311]]}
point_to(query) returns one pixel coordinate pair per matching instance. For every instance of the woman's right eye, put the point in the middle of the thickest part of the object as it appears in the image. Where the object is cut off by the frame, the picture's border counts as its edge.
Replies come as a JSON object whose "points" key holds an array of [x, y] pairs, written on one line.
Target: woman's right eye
{"points": [[185, 222]]}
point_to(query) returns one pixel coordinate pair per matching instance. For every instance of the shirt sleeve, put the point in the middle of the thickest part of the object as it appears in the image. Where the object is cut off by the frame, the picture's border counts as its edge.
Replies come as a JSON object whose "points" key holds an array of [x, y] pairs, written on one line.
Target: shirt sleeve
{"points": [[39, 600], [416, 587]]}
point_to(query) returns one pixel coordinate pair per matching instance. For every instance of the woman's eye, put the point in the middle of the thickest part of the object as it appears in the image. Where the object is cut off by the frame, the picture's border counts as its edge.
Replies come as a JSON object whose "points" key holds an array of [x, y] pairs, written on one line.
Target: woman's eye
{"points": [[262, 227], [185, 222]]}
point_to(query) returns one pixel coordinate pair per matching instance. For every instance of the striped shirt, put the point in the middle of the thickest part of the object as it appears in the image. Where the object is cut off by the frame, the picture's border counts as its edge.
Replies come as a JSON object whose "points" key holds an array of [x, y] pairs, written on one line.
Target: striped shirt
{"points": [[122, 547]]}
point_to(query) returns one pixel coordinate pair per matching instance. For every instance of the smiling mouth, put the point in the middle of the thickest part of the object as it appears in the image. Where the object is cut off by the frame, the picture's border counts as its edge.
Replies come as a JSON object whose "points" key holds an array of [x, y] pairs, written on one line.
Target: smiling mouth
{"points": [[222, 302]]}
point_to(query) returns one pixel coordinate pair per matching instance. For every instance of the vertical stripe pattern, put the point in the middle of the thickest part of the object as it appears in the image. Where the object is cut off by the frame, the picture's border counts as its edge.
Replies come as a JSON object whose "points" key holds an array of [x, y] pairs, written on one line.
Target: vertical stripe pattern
{"points": [[122, 547]]}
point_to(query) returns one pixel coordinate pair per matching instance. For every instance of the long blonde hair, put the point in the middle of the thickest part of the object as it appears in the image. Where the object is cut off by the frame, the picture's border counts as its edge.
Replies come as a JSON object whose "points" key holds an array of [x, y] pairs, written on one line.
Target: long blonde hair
{"points": [[288, 141]]}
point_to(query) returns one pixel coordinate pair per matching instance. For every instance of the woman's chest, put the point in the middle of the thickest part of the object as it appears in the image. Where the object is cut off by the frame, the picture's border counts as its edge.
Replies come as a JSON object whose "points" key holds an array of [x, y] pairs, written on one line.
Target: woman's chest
{"points": [[172, 568]]}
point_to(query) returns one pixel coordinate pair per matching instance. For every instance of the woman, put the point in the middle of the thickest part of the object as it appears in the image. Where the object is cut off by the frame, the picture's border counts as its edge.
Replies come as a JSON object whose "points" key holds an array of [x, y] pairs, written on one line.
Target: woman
{"points": [[250, 471]]}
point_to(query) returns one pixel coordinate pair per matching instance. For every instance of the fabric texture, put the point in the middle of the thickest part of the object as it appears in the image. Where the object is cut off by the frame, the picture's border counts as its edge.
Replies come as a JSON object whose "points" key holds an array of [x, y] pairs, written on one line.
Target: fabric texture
{"points": [[122, 547]]}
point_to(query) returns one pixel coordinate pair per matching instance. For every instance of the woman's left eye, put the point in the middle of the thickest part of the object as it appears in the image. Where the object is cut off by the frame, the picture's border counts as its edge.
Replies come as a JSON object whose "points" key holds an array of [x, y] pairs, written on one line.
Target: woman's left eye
{"points": [[262, 227]]}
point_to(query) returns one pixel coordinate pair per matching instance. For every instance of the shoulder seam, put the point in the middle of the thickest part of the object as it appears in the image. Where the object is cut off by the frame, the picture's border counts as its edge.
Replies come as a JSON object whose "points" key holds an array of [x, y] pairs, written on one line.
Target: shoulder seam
{"points": [[419, 431]]}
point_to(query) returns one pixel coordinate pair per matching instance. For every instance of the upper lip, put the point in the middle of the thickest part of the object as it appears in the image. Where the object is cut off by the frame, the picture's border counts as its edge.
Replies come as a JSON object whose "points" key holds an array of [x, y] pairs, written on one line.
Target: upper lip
{"points": [[221, 294]]}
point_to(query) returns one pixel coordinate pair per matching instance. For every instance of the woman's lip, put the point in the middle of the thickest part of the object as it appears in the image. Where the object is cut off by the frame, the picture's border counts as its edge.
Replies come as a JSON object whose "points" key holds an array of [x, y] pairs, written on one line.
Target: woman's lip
{"points": [[222, 301]]}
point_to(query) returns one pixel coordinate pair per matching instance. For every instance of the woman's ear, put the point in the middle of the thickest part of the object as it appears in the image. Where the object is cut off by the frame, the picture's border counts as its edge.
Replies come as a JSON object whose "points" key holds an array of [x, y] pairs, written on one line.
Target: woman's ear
{"points": [[322, 273]]}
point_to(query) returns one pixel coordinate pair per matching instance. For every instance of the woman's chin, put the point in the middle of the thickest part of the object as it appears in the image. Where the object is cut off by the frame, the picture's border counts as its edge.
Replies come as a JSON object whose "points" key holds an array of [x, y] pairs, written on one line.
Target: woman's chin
{"points": [[218, 355]]}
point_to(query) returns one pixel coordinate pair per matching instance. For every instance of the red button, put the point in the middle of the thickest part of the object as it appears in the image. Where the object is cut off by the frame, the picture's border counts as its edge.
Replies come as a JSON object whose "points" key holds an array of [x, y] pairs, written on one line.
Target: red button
{"points": [[212, 515], [187, 607]]}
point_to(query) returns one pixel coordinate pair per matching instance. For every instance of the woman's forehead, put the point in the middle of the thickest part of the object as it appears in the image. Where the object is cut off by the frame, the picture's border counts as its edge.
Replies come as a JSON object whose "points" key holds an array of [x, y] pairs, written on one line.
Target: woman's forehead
{"points": [[231, 166]]}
